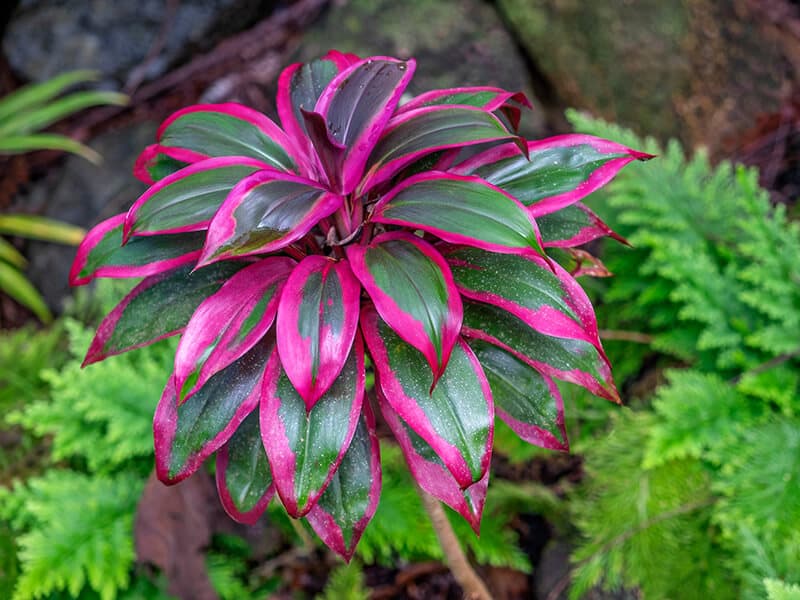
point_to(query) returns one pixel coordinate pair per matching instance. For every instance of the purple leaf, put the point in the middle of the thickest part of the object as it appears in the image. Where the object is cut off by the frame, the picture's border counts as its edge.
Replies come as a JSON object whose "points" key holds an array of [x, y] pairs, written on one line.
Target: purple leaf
{"points": [[244, 481], [160, 306], [305, 448], [461, 210], [413, 290], [101, 253], [299, 88], [542, 294], [351, 498], [418, 133], [573, 226], [356, 106], [186, 435], [559, 170], [456, 418], [264, 213], [187, 199], [230, 129], [156, 162], [317, 321], [229, 323], [524, 399], [571, 360], [431, 474], [330, 153]]}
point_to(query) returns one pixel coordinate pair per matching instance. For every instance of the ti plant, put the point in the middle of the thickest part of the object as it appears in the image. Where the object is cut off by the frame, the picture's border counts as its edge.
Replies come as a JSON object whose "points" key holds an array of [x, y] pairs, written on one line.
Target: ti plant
{"points": [[22, 114], [414, 234]]}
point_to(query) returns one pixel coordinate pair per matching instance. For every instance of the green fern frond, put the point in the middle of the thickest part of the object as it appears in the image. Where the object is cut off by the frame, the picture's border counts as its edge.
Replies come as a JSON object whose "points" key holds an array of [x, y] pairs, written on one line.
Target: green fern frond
{"points": [[646, 528], [80, 533], [779, 590], [346, 582], [102, 414]]}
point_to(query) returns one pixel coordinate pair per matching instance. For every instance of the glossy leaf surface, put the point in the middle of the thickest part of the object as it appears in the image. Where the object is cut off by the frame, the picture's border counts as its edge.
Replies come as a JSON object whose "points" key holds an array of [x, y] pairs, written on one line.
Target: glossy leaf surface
{"points": [[264, 213], [524, 399], [186, 435], [160, 306], [544, 296], [461, 210], [573, 225], [244, 480], [101, 253], [305, 447], [456, 418], [572, 360], [351, 498], [227, 130], [411, 135], [187, 199], [430, 472], [316, 324], [229, 323], [560, 171], [412, 288]]}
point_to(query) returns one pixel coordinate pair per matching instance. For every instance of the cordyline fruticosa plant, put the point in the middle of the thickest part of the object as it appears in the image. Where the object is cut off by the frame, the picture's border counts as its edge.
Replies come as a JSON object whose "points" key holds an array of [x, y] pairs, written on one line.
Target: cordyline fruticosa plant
{"points": [[413, 233]]}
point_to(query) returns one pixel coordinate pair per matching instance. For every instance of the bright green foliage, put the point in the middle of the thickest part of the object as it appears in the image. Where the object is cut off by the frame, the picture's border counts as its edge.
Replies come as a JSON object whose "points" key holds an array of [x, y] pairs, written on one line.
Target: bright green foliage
{"points": [[647, 528], [397, 529], [73, 528], [713, 277], [102, 414], [778, 590], [346, 582], [78, 532]]}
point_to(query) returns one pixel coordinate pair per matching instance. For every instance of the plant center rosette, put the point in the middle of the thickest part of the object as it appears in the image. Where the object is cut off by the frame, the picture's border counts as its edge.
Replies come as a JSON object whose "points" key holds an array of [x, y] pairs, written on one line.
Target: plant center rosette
{"points": [[415, 233]]}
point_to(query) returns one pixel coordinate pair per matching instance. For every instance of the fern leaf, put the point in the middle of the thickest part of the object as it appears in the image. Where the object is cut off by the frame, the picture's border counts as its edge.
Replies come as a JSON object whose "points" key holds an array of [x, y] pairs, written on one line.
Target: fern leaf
{"points": [[81, 533]]}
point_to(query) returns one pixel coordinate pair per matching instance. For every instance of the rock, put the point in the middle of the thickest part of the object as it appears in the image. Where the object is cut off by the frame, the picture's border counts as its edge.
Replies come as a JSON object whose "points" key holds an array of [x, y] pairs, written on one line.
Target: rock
{"points": [[700, 70], [82, 194], [455, 43], [47, 37]]}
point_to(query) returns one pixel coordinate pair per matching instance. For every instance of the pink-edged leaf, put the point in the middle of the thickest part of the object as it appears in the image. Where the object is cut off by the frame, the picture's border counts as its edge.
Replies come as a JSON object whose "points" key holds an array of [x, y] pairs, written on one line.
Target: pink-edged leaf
{"points": [[413, 290], [264, 213], [230, 322], [485, 97], [160, 306], [573, 225], [299, 88], [559, 170], [244, 481], [571, 360], [417, 133], [461, 210], [524, 399], [357, 104], [541, 293], [430, 473], [316, 324], [351, 498], [305, 448], [330, 153], [101, 253], [187, 199], [230, 129], [186, 435], [156, 162], [456, 418]]}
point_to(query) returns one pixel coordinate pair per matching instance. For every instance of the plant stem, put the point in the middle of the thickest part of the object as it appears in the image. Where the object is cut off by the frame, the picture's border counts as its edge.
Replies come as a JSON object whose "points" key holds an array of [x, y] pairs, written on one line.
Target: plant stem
{"points": [[467, 578]]}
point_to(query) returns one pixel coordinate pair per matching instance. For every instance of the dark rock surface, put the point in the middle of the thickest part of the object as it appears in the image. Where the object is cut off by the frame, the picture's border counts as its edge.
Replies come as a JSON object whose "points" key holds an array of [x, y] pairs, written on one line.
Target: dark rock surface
{"points": [[47, 37], [701, 70], [455, 43]]}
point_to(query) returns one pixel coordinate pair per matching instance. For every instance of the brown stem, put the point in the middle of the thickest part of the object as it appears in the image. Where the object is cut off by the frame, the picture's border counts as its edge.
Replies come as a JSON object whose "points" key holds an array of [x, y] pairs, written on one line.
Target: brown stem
{"points": [[467, 578]]}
